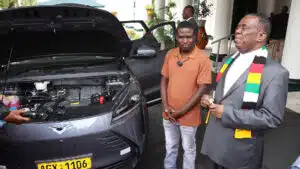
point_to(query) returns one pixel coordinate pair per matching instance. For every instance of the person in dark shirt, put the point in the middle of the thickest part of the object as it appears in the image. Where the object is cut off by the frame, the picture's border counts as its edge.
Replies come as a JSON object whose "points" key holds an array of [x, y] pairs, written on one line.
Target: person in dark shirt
{"points": [[188, 15], [278, 32], [279, 24]]}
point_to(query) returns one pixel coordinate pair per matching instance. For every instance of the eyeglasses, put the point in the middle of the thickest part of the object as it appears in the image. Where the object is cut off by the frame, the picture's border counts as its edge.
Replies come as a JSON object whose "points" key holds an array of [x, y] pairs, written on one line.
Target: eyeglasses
{"points": [[243, 27]]}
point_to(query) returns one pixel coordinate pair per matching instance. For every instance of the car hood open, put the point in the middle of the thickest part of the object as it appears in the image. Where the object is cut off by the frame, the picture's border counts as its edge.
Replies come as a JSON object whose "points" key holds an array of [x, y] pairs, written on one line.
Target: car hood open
{"points": [[37, 31]]}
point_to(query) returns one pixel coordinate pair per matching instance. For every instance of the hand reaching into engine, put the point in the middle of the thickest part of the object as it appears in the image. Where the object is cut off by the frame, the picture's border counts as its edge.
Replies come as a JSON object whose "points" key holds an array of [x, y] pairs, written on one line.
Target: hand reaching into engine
{"points": [[16, 117]]}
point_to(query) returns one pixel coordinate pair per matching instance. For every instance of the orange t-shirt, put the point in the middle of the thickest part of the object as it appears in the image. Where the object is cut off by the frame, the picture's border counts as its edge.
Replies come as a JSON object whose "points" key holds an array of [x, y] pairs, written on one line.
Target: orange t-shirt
{"points": [[183, 82]]}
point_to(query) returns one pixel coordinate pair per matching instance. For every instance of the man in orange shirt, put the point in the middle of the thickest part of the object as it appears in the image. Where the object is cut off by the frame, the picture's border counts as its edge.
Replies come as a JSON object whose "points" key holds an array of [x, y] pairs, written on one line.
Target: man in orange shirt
{"points": [[185, 75]]}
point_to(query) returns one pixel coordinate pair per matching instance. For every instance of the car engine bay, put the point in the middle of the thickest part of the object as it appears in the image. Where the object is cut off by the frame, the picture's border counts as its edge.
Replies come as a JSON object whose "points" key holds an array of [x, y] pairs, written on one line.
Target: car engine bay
{"points": [[62, 99]]}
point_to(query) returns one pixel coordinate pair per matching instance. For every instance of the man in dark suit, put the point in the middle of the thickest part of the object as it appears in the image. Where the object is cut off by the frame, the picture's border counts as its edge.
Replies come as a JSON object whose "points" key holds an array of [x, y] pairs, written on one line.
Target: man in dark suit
{"points": [[249, 100], [188, 15]]}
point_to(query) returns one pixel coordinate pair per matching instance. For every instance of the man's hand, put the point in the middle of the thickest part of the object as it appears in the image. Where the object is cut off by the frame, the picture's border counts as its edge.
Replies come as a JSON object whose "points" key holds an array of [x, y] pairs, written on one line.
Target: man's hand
{"points": [[206, 101], [176, 114], [216, 110], [15, 117], [168, 112]]}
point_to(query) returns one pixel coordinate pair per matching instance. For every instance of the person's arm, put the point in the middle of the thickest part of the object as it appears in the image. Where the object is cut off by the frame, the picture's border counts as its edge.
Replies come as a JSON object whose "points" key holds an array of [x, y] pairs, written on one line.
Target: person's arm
{"points": [[194, 99], [163, 91], [14, 116], [164, 88], [203, 80], [164, 81], [270, 113]]}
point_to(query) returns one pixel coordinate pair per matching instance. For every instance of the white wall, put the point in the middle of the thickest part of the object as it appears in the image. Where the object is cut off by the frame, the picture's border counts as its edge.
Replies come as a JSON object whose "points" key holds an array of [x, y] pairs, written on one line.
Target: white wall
{"points": [[266, 7], [290, 58], [210, 20]]}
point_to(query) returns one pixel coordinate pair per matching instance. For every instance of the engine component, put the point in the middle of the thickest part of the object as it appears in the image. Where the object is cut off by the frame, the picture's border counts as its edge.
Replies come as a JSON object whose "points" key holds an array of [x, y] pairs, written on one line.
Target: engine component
{"points": [[113, 85], [38, 97], [62, 107], [55, 99], [35, 115], [41, 86], [73, 95], [87, 91], [99, 99]]}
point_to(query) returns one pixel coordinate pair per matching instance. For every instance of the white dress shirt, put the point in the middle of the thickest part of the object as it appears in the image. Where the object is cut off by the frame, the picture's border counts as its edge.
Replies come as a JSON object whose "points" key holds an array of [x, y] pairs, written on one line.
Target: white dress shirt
{"points": [[189, 18], [238, 67]]}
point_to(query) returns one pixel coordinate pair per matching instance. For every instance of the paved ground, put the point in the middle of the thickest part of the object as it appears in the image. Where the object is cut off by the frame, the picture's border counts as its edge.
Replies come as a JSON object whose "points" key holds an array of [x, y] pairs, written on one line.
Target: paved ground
{"points": [[281, 148], [293, 102]]}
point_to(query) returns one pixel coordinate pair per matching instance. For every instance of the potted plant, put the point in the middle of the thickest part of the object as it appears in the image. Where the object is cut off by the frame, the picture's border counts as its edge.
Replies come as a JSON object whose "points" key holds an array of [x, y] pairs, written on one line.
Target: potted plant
{"points": [[115, 13], [203, 12], [150, 11]]}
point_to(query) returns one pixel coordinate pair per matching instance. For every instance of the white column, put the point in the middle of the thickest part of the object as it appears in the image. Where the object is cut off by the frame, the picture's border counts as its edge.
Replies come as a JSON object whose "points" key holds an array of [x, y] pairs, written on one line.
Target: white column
{"points": [[266, 7], [223, 15], [159, 5], [290, 58], [19, 2], [186, 2]]}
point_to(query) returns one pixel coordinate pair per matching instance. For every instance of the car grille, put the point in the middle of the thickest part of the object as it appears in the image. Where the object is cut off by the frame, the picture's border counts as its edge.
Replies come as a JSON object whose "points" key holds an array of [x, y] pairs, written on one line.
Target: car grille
{"points": [[113, 142], [120, 165]]}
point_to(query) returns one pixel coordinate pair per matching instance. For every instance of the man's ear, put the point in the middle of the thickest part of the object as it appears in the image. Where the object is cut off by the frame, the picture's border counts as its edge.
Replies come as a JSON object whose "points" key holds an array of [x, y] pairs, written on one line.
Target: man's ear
{"points": [[262, 36]]}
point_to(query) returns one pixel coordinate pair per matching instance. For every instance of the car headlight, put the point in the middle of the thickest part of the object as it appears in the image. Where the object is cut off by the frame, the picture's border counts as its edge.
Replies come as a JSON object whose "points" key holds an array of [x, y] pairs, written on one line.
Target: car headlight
{"points": [[127, 99]]}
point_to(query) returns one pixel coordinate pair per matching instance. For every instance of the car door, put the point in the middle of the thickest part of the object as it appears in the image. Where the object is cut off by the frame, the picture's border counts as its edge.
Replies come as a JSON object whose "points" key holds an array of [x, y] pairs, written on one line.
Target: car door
{"points": [[148, 70]]}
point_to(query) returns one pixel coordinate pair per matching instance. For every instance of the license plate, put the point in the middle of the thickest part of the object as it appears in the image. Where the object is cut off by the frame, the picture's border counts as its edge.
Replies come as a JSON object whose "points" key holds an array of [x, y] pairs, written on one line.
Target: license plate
{"points": [[79, 163]]}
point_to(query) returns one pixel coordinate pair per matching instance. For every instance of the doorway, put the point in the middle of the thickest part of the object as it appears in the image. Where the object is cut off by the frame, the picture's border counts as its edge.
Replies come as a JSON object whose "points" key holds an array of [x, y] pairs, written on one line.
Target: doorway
{"points": [[240, 9]]}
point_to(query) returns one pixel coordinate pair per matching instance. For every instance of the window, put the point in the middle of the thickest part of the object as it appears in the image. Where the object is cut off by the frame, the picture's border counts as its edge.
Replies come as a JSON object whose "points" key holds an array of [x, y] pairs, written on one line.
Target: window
{"points": [[164, 35], [134, 30]]}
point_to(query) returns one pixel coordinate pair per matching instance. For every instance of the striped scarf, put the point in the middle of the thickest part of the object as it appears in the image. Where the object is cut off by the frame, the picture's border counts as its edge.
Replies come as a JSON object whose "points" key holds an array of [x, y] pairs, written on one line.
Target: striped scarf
{"points": [[251, 92]]}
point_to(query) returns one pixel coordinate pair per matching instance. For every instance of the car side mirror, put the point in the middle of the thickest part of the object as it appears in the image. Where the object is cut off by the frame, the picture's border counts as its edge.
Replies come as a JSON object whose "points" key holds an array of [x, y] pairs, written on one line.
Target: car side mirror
{"points": [[145, 52]]}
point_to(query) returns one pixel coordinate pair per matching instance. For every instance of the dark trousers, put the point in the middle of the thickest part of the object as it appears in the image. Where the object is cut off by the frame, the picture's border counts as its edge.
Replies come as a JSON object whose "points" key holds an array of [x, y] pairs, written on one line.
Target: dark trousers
{"points": [[209, 164]]}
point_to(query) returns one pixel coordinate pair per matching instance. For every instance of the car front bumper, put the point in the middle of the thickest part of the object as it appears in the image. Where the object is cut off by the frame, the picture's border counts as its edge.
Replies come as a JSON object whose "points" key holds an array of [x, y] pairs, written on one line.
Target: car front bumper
{"points": [[117, 145]]}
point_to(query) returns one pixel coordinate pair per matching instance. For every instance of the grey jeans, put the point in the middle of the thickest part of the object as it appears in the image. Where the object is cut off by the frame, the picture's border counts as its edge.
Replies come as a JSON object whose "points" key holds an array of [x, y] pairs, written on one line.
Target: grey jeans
{"points": [[172, 135]]}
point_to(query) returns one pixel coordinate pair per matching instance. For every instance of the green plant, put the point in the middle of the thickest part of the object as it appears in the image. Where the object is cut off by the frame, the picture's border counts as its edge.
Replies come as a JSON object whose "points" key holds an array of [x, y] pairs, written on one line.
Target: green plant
{"points": [[5, 3], [150, 7], [204, 9], [162, 34], [167, 11], [28, 2]]}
